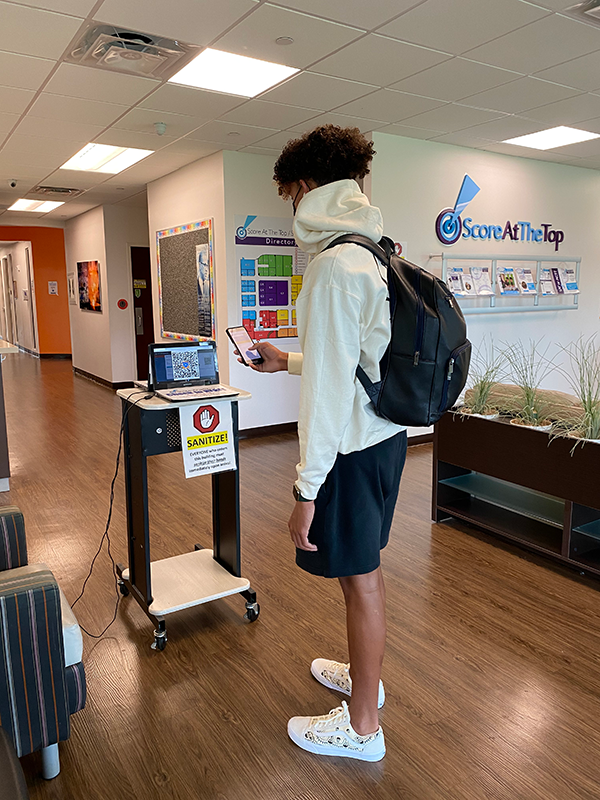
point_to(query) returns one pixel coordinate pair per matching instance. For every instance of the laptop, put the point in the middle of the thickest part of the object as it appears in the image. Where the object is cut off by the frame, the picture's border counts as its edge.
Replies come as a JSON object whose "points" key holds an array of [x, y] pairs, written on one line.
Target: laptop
{"points": [[186, 371]]}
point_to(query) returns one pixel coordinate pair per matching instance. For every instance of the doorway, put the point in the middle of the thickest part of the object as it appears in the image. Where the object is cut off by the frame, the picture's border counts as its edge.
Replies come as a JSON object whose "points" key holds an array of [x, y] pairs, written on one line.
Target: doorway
{"points": [[31, 290], [142, 307], [8, 301]]}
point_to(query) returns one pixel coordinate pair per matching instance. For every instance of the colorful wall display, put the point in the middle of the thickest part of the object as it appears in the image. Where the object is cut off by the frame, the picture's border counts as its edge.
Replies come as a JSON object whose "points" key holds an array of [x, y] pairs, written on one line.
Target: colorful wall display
{"points": [[88, 276], [271, 268], [186, 281]]}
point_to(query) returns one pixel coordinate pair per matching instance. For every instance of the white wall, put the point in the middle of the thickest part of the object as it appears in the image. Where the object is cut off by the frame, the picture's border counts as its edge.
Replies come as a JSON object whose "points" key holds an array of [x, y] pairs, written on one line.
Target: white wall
{"points": [[26, 333], [249, 189], [413, 180], [90, 330], [123, 228]]}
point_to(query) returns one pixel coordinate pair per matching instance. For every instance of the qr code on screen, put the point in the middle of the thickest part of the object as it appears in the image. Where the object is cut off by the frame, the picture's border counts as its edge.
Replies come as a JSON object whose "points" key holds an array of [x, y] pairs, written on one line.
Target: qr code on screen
{"points": [[185, 365]]}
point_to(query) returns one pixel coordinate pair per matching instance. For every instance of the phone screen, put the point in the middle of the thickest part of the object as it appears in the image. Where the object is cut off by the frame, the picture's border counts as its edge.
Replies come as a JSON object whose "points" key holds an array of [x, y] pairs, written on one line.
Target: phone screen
{"points": [[241, 338]]}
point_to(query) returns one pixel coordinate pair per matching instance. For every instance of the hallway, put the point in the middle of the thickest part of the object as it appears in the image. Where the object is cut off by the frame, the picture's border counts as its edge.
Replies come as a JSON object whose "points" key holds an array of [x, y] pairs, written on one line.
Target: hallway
{"points": [[492, 670]]}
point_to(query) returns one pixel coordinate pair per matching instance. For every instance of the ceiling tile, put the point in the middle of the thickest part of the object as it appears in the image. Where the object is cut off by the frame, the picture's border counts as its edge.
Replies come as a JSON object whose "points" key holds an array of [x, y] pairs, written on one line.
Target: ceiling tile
{"points": [[77, 8], [192, 102], [455, 79], [452, 117], [343, 120], [34, 32], [505, 128], [26, 175], [192, 21], [520, 95], [352, 12], [554, 5], [35, 161], [581, 73], [75, 179], [15, 101], [317, 91], [142, 119], [313, 38], [99, 85], [379, 60], [24, 72], [275, 115], [567, 112], [60, 129], [409, 131], [73, 109], [22, 146], [588, 163], [151, 168], [530, 49], [231, 133], [389, 106], [145, 141], [7, 122], [192, 147], [456, 27], [462, 139], [278, 140], [589, 149], [524, 152], [261, 151], [592, 125]]}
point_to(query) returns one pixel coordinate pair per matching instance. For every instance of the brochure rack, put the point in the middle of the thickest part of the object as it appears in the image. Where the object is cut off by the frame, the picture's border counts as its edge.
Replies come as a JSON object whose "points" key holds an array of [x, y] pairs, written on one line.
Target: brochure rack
{"points": [[515, 483], [498, 304], [163, 587]]}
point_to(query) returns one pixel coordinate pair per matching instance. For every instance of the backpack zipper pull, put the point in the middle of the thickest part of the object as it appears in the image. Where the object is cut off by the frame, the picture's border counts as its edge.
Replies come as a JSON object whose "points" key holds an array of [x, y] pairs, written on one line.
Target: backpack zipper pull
{"points": [[416, 359], [450, 369]]}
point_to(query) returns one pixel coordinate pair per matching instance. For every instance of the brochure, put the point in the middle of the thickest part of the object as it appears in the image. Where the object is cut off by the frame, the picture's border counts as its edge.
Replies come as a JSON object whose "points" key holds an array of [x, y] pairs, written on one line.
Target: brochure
{"points": [[546, 283], [568, 277], [525, 280], [557, 278], [507, 280], [468, 283], [482, 280], [455, 281]]}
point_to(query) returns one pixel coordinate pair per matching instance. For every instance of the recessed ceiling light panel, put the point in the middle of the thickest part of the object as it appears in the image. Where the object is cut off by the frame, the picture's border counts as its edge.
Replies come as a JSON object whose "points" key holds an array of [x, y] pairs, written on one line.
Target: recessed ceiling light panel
{"points": [[232, 74], [39, 206], [552, 138], [105, 158]]}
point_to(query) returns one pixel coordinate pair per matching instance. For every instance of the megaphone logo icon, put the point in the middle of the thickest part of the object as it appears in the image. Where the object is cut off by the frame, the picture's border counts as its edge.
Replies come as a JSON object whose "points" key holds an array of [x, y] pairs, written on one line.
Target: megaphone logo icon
{"points": [[448, 225]]}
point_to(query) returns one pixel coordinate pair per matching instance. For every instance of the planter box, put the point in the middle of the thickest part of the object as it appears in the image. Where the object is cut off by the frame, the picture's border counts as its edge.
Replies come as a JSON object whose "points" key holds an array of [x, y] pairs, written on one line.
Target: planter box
{"points": [[516, 483]]}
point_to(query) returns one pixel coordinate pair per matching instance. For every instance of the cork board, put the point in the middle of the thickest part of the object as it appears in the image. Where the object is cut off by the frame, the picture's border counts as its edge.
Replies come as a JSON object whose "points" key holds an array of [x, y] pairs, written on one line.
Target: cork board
{"points": [[186, 281]]}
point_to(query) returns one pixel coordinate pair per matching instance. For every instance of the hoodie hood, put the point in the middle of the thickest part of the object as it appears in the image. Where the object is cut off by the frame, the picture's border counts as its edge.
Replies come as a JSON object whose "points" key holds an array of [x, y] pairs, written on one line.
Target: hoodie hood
{"points": [[329, 211]]}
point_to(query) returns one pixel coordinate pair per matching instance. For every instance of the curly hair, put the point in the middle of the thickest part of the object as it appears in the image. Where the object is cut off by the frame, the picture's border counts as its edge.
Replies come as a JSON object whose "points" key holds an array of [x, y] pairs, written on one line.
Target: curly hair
{"points": [[326, 154]]}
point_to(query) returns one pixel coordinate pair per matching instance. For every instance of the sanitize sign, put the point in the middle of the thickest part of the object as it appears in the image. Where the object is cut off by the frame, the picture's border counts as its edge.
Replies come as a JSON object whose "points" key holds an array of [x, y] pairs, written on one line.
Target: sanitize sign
{"points": [[207, 438], [450, 226]]}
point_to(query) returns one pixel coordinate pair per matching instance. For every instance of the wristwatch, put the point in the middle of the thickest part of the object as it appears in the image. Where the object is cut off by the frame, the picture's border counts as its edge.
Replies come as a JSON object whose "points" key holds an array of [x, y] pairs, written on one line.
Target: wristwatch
{"points": [[298, 497]]}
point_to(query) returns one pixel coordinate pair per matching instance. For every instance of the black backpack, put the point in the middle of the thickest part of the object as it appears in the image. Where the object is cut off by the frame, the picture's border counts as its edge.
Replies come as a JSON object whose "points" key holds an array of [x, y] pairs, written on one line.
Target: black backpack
{"points": [[425, 365]]}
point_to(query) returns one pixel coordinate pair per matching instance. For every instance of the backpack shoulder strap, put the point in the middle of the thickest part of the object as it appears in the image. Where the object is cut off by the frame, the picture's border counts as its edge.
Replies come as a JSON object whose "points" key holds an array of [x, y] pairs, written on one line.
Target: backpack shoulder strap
{"points": [[362, 241]]}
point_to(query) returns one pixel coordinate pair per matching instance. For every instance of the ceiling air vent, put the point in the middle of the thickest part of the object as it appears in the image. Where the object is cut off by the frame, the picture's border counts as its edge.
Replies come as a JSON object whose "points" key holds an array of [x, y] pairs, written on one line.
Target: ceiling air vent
{"points": [[122, 50], [56, 190], [588, 11]]}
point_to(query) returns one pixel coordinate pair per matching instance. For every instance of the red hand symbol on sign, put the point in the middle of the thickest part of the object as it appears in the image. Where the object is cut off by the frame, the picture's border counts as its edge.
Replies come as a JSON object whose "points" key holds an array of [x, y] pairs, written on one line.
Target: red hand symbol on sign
{"points": [[206, 419]]}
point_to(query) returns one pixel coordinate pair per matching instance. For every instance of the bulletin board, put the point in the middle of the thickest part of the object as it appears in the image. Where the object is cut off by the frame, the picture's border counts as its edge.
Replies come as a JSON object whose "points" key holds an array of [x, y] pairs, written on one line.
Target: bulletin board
{"points": [[186, 281]]}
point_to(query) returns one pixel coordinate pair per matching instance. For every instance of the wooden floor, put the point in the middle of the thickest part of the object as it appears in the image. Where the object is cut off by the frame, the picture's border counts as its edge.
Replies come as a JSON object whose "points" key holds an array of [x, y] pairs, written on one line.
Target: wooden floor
{"points": [[492, 670]]}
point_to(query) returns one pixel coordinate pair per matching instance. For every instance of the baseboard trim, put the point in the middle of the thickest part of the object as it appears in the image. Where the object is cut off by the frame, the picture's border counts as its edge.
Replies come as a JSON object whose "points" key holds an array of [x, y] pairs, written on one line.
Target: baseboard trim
{"points": [[43, 355], [425, 438], [64, 356], [269, 430], [102, 381]]}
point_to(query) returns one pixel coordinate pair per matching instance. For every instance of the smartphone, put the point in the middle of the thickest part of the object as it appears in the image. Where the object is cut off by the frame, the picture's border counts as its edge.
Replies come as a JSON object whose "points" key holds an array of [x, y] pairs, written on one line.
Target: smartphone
{"points": [[242, 341]]}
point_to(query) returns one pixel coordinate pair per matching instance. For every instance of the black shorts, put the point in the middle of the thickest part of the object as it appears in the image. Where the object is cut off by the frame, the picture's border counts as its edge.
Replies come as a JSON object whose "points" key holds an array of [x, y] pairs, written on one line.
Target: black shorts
{"points": [[354, 510]]}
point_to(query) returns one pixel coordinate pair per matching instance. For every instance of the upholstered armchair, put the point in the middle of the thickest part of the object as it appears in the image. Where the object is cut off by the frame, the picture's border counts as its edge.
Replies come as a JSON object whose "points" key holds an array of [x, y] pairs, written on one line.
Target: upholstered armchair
{"points": [[42, 679]]}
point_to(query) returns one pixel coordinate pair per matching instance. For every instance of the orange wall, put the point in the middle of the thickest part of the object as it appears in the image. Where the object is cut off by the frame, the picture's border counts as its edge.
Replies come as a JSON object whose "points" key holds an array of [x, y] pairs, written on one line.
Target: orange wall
{"points": [[48, 256]]}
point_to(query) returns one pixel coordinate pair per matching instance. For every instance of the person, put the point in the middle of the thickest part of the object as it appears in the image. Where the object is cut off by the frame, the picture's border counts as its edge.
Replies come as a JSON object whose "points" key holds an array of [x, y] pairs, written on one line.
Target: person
{"points": [[351, 460]]}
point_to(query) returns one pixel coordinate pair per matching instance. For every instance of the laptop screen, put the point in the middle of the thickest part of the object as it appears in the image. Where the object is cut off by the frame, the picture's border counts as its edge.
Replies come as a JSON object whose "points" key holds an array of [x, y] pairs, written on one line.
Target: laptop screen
{"points": [[184, 364]]}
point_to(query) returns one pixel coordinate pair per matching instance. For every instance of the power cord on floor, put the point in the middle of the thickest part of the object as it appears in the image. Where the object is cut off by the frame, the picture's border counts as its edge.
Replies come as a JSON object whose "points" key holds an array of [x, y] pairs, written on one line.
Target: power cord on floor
{"points": [[105, 535]]}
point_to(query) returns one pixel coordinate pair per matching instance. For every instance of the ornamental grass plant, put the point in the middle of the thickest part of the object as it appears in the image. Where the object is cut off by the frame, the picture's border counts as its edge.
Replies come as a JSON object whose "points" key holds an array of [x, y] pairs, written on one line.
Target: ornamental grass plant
{"points": [[486, 370], [584, 378], [529, 366]]}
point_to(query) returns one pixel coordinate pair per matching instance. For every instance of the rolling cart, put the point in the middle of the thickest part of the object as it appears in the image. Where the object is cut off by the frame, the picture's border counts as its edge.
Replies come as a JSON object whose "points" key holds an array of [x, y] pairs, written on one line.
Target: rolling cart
{"points": [[151, 427]]}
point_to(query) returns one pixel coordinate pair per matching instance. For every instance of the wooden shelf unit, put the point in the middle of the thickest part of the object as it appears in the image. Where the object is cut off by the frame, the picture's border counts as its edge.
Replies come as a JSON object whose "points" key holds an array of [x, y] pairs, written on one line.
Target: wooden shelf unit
{"points": [[518, 484]]}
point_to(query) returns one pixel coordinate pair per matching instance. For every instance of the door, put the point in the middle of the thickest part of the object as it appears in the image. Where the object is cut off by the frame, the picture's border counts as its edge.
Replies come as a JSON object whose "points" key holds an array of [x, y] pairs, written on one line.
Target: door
{"points": [[30, 287], [142, 307], [7, 301]]}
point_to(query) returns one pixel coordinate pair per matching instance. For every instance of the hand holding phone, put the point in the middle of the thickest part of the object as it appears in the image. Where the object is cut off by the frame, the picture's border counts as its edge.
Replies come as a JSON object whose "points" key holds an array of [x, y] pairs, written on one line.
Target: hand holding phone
{"points": [[243, 344]]}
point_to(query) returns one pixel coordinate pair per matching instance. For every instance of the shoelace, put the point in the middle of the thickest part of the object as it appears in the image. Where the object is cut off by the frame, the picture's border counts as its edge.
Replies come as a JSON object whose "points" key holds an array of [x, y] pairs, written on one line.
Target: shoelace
{"points": [[341, 711]]}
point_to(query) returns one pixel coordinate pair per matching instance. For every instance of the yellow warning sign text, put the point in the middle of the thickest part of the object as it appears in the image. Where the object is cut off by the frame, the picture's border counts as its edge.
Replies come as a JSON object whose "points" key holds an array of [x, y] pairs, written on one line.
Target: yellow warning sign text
{"points": [[206, 440]]}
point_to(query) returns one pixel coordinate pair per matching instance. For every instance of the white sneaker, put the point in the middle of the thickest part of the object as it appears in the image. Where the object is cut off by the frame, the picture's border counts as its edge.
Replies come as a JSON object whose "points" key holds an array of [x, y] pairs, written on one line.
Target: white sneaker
{"points": [[337, 676], [333, 735]]}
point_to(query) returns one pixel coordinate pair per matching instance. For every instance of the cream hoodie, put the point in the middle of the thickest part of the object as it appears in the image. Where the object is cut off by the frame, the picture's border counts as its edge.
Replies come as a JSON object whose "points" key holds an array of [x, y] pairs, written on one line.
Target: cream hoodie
{"points": [[343, 320]]}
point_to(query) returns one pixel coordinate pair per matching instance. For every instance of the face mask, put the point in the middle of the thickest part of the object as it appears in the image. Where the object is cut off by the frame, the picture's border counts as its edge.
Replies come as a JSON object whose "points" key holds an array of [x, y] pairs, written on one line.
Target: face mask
{"points": [[294, 200]]}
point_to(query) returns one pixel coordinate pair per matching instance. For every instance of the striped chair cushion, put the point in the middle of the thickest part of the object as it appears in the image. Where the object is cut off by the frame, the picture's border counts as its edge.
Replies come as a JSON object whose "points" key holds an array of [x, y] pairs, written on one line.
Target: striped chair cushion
{"points": [[76, 687], [13, 545], [34, 705]]}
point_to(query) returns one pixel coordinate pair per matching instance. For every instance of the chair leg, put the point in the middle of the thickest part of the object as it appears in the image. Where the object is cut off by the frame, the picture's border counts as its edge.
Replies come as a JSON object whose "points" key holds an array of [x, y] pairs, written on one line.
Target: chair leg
{"points": [[50, 761]]}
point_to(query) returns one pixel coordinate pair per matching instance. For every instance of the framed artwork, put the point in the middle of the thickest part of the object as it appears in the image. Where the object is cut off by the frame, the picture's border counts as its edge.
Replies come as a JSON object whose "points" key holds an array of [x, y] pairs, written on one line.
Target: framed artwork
{"points": [[72, 288], [186, 281], [88, 276]]}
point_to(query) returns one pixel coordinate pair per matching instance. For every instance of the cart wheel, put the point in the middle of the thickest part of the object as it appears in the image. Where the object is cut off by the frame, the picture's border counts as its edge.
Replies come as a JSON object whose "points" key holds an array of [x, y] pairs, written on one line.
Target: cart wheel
{"points": [[160, 642], [252, 612], [123, 589]]}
